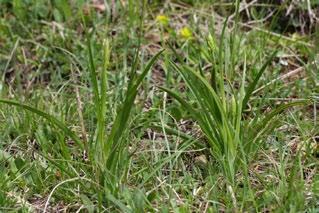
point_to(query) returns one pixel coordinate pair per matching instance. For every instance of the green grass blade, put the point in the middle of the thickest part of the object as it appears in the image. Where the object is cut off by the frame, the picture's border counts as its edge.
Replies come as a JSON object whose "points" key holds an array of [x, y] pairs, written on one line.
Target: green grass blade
{"points": [[118, 203], [146, 70], [101, 107], [267, 124], [184, 136], [49, 118], [253, 84], [120, 123], [93, 76], [184, 103], [132, 73], [278, 111], [204, 122]]}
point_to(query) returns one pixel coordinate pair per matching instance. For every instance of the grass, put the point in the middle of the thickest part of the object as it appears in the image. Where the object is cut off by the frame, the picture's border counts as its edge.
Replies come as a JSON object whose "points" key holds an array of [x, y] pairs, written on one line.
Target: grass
{"points": [[178, 109]]}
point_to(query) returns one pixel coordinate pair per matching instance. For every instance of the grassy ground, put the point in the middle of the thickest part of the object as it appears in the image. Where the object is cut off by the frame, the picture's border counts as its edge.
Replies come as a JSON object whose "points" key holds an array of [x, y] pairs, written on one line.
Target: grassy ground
{"points": [[95, 117]]}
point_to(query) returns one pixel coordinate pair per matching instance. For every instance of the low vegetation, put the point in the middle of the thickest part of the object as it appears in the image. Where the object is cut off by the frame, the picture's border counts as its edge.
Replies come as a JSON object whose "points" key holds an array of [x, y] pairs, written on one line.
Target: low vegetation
{"points": [[159, 106]]}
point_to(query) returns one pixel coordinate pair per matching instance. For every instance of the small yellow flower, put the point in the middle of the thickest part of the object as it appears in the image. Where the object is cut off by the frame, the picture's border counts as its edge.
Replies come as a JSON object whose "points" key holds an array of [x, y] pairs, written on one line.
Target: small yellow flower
{"points": [[162, 19], [186, 33]]}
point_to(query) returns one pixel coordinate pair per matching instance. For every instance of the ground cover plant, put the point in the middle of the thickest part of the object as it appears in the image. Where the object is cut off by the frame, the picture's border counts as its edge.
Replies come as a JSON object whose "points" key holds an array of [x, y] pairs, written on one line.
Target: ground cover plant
{"points": [[159, 106]]}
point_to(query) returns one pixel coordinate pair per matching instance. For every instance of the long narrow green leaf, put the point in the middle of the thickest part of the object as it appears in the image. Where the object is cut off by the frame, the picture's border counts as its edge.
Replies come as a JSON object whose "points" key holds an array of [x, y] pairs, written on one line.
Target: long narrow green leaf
{"points": [[203, 91], [146, 70], [93, 76], [120, 123], [132, 73], [184, 103], [102, 106], [203, 123], [253, 84], [118, 203], [49, 118], [276, 112], [172, 131], [123, 115], [159, 165], [264, 126]]}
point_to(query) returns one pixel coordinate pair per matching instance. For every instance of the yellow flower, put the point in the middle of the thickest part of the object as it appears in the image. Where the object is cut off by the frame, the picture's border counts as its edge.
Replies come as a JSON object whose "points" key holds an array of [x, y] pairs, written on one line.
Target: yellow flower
{"points": [[186, 33], [162, 19]]}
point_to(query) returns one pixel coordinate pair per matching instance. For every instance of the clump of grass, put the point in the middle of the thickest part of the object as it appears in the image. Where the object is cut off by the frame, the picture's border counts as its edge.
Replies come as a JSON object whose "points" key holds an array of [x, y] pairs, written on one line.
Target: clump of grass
{"points": [[107, 151], [48, 162], [219, 111]]}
